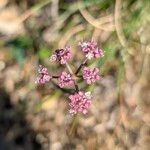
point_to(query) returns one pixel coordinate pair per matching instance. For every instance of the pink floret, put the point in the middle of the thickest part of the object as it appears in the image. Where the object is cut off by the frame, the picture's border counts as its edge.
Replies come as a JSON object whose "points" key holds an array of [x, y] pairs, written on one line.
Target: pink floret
{"points": [[65, 79], [91, 49], [62, 55], [43, 75], [80, 102], [91, 75]]}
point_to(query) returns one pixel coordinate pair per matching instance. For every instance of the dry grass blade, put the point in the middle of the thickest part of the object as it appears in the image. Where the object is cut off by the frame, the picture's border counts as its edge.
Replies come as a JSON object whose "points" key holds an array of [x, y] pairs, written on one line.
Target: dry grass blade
{"points": [[69, 34], [104, 23], [31, 11], [118, 26]]}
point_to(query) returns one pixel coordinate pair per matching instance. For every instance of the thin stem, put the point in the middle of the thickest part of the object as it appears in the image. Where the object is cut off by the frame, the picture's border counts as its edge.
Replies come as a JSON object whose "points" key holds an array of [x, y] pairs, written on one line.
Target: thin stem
{"points": [[82, 64], [79, 76], [62, 89], [71, 72], [69, 68], [55, 76], [73, 124], [76, 86]]}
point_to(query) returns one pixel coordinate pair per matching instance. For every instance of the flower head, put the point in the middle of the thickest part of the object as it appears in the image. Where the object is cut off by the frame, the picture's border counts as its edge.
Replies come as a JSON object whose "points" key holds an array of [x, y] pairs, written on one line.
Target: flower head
{"points": [[65, 79], [80, 102], [62, 55], [91, 75], [91, 49], [43, 75]]}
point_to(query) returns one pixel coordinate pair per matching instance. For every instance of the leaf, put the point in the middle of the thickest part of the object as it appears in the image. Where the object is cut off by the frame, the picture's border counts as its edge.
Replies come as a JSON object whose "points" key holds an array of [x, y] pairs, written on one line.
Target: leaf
{"points": [[19, 54], [44, 53], [23, 42]]}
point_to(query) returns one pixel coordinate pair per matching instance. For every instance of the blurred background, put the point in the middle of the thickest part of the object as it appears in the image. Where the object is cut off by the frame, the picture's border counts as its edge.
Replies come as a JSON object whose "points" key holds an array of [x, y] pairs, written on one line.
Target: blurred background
{"points": [[36, 117]]}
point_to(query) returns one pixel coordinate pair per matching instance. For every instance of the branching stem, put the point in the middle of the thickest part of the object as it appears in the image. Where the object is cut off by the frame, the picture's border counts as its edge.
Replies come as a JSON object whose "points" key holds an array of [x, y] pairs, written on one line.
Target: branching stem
{"points": [[82, 64]]}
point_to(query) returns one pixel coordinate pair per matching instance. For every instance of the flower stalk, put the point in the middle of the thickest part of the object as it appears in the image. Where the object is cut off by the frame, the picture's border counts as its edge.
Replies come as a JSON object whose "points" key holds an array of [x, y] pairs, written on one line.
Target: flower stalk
{"points": [[80, 67]]}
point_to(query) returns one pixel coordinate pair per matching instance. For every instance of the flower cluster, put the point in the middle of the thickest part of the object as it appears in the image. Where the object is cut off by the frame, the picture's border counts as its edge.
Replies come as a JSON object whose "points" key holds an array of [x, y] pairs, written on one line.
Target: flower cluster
{"points": [[43, 75], [91, 49], [65, 79], [80, 101], [91, 75], [62, 55]]}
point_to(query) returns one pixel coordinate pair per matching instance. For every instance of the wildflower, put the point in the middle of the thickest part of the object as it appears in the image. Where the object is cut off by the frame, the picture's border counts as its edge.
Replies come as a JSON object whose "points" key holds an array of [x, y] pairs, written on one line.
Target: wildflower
{"points": [[91, 49], [65, 79], [80, 102], [91, 75], [62, 55], [44, 75]]}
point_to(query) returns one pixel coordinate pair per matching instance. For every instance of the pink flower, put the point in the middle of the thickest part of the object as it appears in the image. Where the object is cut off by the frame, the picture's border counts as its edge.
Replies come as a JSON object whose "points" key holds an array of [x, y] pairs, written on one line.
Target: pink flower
{"points": [[65, 79], [80, 102], [91, 49], [91, 75], [62, 55], [43, 75]]}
